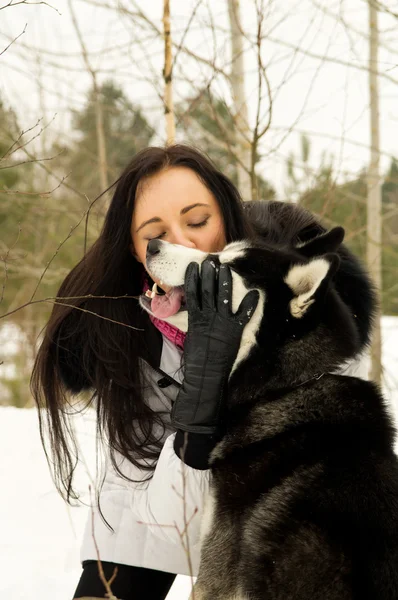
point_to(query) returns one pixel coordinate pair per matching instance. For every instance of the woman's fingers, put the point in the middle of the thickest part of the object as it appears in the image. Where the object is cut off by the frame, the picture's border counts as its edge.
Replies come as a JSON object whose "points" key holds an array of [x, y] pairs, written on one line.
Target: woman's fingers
{"points": [[211, 290], [225, 291], [208, 286], [191, 287]]}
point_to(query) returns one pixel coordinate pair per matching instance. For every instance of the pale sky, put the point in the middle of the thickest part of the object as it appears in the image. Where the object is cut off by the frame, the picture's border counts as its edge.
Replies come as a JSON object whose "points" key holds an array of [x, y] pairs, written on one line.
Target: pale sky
{"points": [[328, 100]]}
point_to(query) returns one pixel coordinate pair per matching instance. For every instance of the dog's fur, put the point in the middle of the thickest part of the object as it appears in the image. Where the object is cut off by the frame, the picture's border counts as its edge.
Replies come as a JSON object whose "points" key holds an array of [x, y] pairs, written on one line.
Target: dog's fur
{"points": [[303, 500]]}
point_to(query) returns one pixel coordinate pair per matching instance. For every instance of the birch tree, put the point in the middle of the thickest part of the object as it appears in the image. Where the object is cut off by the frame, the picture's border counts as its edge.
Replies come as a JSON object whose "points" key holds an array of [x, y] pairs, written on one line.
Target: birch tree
{"points": [[168, 75], [240, 110], [374, 218]]}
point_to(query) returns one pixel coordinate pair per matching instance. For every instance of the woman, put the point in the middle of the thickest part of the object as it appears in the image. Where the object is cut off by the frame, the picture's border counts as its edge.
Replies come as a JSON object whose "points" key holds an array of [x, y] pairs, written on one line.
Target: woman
{"points": [[101, 340]]}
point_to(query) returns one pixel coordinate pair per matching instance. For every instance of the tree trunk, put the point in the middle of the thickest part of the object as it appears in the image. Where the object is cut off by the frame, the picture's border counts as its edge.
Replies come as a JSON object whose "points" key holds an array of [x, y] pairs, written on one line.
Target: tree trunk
{"points": [[168, 76], [374, 227], [101, 144], [237, 76], [99, 116]]}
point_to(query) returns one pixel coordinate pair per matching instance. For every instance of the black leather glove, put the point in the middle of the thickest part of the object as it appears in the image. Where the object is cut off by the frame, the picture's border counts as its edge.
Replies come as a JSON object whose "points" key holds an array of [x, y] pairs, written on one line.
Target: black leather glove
{"points": [[211, 346]]}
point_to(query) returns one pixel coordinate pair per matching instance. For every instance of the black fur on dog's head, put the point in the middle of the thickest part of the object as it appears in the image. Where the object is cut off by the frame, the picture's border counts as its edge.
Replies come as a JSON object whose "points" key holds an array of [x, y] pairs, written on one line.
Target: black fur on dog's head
{"points": [[292, 226], [306, 329]]}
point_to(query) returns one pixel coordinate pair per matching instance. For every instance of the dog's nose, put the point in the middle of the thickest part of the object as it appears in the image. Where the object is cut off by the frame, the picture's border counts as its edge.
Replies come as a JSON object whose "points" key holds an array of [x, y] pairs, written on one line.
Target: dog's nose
{"points": [[153, 247]]}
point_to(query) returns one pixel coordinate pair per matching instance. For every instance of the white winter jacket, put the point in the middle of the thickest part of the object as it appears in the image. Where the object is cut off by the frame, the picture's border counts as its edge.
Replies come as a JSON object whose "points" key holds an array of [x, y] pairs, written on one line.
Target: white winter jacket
{"points": [[147, 517]]}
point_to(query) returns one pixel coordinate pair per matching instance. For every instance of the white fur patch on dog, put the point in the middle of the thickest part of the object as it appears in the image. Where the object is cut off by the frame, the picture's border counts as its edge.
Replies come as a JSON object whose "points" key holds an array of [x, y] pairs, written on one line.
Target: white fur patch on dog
{"points": [[233, 251], [248, 340], [171, 262], [206, 523], [239, 290], [304, 280]]}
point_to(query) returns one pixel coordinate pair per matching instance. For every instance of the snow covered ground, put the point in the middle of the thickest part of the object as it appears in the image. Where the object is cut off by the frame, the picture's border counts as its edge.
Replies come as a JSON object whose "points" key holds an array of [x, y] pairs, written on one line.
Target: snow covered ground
{"points": [[39, 534]]}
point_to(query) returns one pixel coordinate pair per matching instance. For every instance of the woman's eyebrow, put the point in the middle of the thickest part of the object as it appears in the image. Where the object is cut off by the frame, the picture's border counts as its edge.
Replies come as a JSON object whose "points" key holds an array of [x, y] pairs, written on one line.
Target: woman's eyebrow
{"points": [[183, 211]]}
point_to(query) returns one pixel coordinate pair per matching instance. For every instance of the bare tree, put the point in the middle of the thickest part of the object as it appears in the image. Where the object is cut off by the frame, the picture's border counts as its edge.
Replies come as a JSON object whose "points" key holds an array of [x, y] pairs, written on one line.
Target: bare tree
{"points": [[99, 117], [168, 75], [240, 112], [374, 221]]}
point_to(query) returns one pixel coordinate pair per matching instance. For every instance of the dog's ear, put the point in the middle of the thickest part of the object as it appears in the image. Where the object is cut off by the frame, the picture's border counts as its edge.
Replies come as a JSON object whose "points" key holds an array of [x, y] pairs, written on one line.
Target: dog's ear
{"points": [[308, 281], [324, 243]]}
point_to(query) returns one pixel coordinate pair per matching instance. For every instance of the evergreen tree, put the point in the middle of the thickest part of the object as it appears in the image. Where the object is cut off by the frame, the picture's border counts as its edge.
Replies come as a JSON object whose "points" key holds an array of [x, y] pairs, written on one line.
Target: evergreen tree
{"points": [[15, 207], [345, 204], [390, 239], [49, 245], [18, 225], [126, 131]]}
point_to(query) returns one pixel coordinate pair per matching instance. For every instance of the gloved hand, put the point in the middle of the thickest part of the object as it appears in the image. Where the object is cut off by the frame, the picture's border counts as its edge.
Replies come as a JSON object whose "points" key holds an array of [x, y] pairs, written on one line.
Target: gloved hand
{"points": [[211, 346]]}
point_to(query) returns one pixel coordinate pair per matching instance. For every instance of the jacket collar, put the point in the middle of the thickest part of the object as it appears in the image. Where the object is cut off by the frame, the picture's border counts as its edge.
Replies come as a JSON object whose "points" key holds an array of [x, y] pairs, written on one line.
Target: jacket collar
{"points": [[161, 355]]}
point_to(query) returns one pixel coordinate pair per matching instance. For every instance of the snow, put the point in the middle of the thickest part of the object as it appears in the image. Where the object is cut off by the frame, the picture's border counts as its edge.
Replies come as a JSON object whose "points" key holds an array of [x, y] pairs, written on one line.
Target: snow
{"points": [[40, 534]]}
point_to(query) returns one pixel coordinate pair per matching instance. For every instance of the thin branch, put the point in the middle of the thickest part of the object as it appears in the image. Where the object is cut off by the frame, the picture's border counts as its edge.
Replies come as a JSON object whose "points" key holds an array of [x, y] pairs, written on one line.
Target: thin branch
{"points": [[36, 160], [187, 28], [334, 138], [50, 172], [72, 229], [349, 28], [328, 59], [12, 148], [5, 263], [11, 3], [40, 194], [11, 151], [307, 96], [186, 521], [107, 584], [54, 300], [138, 13], [258, 134], [15, 39]]}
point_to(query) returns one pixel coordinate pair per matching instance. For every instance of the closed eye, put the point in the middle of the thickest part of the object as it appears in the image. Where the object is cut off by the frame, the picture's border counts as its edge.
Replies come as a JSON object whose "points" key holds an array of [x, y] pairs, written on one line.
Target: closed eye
{"points": [[194, 225], [202, 224]]}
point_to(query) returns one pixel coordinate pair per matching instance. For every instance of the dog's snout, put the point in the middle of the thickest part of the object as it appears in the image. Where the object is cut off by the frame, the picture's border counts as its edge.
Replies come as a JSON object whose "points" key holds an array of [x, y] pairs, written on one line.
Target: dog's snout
{"points": [[153, 247]]}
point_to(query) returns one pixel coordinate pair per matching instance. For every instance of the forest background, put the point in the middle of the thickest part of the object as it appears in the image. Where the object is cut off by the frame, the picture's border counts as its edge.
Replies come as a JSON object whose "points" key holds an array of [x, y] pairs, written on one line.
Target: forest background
{"points": [[295, 101]]}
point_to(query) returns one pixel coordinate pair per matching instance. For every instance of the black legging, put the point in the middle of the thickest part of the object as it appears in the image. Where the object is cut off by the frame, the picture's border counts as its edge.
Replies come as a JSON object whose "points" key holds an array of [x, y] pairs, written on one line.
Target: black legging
{"points": [[131, 583]]}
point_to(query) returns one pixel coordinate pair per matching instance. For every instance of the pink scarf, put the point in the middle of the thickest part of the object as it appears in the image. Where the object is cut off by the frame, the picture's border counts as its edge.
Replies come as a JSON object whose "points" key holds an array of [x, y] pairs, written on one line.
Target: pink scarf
{"points": [[172, 333]]}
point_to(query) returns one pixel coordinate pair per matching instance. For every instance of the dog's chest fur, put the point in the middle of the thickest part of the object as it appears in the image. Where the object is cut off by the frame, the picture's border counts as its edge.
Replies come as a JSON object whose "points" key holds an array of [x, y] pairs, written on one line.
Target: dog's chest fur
{"points": [[291, 486]]}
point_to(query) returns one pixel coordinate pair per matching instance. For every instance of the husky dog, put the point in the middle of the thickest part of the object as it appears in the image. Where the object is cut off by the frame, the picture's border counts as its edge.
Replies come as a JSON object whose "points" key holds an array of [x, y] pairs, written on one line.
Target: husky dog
{"points": [[303, 501]]}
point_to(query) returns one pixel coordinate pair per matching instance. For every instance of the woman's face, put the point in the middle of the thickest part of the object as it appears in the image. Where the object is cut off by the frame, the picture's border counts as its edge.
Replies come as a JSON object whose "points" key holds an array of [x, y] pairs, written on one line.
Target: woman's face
{"points": [[175, 206]]}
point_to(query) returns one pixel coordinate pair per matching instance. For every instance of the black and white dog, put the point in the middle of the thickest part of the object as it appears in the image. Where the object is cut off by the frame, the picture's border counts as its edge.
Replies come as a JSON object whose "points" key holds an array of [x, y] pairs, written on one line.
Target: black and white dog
{"points": [[303, 501]]}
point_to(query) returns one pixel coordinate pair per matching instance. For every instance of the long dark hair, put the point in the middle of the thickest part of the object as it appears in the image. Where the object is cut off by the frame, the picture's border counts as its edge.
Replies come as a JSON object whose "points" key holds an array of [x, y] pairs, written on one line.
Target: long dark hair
{"points": [[96, 333]]}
